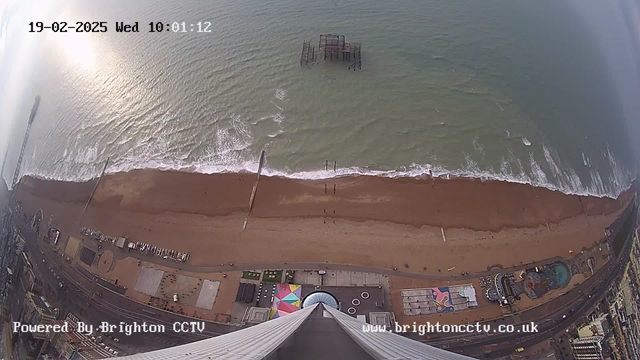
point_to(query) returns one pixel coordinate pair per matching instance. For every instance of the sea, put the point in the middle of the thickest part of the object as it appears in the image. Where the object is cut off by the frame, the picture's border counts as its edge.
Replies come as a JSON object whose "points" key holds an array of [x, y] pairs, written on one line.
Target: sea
{"points": [[542, 92]]}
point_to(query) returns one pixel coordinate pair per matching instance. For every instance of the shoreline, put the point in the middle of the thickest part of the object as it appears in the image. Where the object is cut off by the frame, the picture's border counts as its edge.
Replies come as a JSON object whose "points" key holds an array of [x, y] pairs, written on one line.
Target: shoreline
{"points": [[455, 203], [420, 173]]}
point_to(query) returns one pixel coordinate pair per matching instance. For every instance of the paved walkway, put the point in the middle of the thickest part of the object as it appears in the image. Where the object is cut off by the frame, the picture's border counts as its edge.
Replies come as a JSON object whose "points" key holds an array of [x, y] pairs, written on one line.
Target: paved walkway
{"points": [[121, 254]]}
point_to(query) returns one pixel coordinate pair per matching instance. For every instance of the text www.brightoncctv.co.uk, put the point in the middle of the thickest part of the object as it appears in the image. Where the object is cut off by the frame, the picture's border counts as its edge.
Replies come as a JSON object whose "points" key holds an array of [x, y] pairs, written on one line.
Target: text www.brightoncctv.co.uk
{"points": [[433, 328]]}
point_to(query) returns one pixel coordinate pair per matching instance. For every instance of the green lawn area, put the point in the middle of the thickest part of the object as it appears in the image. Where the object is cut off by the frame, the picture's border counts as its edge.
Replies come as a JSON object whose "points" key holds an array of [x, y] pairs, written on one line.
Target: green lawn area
{"points": [[272, 276], [251, 275]]}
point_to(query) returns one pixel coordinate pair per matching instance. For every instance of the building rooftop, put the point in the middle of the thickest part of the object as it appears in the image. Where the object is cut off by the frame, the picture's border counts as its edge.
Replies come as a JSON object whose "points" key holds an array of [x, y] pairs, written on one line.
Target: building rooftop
{"points": [[40, 304], [256, 315]]}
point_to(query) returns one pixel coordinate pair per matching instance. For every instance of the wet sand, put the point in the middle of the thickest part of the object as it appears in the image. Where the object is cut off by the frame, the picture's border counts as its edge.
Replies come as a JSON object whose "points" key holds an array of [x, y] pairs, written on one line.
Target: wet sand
{"points": [[378, 222]]}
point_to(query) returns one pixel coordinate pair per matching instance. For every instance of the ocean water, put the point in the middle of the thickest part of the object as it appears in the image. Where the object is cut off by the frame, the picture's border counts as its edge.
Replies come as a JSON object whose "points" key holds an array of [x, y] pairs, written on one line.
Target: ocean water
{"points": [[532, 92]]}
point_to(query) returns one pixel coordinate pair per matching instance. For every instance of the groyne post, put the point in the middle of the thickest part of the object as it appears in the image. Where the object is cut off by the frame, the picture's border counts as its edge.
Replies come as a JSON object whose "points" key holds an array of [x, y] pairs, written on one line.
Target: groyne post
{"points": [[254, 190], [94, 191]]}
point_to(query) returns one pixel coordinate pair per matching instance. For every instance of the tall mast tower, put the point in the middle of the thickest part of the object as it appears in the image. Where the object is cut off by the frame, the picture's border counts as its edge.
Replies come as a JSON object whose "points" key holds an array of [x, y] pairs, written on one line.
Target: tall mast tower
{"points": [[16, 174]]}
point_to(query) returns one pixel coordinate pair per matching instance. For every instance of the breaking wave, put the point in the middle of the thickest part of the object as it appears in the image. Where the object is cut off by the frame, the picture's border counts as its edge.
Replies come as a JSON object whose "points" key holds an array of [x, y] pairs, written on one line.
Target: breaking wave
{"points": [[228, 159], [232, 143]]}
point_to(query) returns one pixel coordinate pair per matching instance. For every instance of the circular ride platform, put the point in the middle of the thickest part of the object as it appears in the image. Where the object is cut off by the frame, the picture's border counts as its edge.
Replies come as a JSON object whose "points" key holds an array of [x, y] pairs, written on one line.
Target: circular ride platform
{"points": [[105, 262]]}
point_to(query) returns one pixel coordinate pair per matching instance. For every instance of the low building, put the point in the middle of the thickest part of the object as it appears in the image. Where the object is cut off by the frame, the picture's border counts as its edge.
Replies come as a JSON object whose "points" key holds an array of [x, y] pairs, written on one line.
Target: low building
{"points": [[73, 345], [121, 242], [444, 299], [256, 315], [37, 311], [587, 348], [597, 327], [382, 319]]}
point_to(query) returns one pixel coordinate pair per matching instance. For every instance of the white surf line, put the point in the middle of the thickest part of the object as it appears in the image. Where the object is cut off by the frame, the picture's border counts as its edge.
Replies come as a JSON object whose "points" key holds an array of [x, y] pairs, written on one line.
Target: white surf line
{"points": [[443, 237]]}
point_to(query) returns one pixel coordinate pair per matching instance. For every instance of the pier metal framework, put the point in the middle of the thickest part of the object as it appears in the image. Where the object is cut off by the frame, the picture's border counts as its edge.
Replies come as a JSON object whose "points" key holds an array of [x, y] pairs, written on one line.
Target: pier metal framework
{"points": [[309, 55], [332, 46]]}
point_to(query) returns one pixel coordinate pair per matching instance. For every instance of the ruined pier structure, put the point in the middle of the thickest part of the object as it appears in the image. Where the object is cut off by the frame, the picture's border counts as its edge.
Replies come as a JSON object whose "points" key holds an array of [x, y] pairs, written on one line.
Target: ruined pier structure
{"points": [[332, 47]]}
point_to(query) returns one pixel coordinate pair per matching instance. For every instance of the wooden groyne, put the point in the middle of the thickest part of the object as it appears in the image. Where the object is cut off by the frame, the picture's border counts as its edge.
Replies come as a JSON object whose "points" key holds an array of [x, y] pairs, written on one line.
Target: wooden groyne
{"points": [[254, 190]]}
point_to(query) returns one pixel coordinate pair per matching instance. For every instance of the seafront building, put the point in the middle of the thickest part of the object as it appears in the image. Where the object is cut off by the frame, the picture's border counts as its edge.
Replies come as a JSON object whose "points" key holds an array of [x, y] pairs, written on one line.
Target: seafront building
{"points": [[74, 345], [588, 348], [612, 329]]}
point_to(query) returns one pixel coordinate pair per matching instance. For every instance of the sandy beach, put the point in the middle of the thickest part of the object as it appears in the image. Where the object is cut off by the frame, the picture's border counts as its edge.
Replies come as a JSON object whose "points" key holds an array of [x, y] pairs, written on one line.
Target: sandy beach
{"points": [[370, 221]]}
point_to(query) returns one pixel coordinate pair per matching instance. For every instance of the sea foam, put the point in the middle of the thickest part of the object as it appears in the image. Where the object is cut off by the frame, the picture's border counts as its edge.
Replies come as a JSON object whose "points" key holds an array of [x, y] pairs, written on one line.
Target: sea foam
{"points": [[510, 171]]}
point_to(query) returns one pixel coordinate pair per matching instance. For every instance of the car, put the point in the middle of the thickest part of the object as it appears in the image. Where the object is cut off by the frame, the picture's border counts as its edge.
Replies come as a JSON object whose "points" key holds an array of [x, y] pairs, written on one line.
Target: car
{"points": [[520, 349]]}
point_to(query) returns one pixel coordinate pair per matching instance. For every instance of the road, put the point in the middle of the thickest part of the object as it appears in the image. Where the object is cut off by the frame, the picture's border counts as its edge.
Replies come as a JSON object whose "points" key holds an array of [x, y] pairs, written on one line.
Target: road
{"points": [[77, 297], [118, 255]]}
